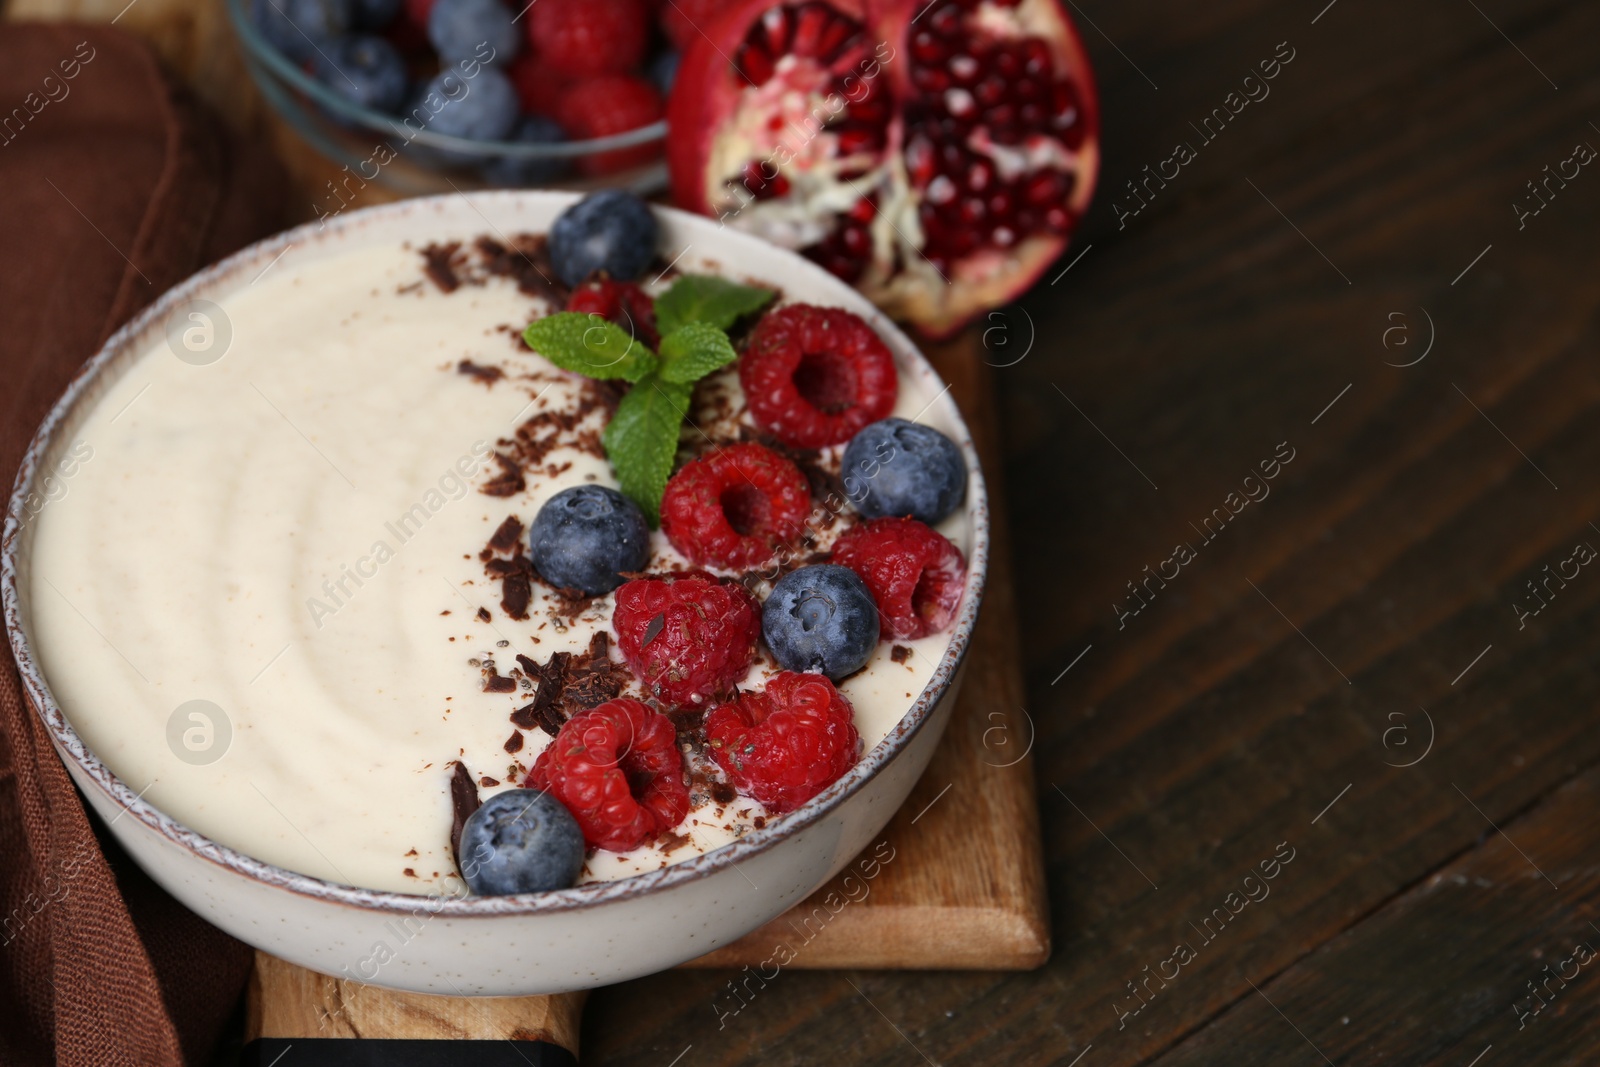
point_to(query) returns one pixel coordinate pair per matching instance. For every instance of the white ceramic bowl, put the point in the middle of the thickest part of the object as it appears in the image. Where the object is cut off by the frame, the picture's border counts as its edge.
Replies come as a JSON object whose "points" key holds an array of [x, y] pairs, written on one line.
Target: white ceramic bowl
{"points": [[589, 935]]}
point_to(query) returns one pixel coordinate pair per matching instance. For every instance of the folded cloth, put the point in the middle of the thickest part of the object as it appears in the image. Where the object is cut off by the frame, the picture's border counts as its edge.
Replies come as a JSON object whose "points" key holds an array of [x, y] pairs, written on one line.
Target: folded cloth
{"points": [[114, 185]]}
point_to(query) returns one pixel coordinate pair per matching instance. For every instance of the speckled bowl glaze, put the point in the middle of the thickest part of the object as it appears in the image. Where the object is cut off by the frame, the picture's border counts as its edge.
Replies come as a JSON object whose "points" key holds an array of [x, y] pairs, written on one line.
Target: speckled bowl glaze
{"points": [[571, 939]]}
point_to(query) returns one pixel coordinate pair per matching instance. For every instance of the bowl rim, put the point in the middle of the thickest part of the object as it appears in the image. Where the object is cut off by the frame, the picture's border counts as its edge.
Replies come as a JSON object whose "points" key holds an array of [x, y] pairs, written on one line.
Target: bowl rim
{"points": [[260, 50], [208, 281]]}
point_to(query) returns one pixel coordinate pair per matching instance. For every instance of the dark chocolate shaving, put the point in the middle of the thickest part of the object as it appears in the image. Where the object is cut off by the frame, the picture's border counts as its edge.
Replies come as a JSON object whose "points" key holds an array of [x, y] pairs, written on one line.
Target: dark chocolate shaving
{"points": [[900, 653], [507, 539], [508, 482], [439, 263], [483, 615], [479, 373], [463, 802], [513, 743]]}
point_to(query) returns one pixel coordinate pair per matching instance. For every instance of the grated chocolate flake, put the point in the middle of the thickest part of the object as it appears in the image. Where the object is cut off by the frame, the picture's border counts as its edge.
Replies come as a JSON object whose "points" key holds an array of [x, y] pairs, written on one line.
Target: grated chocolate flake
{"points": [[440, 262], [480, 373], [463, 802], [508, 482]]}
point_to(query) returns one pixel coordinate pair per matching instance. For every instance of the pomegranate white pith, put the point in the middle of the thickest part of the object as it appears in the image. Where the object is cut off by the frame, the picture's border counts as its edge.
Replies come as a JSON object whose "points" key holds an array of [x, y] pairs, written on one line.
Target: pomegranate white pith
{"points": [[937, 157]]}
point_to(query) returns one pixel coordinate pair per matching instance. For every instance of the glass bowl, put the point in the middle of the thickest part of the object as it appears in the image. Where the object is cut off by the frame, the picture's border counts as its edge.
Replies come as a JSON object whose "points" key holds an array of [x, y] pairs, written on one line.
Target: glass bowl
{"points": [[381, 149]]}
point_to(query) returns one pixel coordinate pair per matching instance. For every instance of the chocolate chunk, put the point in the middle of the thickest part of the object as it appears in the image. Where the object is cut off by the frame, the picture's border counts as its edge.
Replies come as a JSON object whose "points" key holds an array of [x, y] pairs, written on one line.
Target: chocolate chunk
{"points": [[899, 653], [507, 538], [513, 743], [508, 482], [487, 782], [478, 372], [499, 683], [463, 802], [439, 263], [483, 615], [723, 793], [515, 595]]}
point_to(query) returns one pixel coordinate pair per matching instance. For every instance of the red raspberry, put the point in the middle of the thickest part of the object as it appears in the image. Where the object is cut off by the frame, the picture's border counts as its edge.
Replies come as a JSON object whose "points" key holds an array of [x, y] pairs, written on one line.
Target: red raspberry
{"points": [[815, 376], [617, 768], [538, 84], [687, 636], [915, 574], [582, 38], [623, 303], [611, 103], [733, 507], [686, 21], [787, 743]]}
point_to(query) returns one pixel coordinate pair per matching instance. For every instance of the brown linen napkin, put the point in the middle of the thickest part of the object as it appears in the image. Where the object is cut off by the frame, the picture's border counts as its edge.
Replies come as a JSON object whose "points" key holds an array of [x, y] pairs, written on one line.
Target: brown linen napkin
{"points": [[113, 186]]}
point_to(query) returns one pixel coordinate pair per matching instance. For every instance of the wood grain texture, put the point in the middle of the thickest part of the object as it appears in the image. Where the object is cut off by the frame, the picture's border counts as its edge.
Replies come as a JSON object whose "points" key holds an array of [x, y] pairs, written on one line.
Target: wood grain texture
{"points": [[289, 1001]]}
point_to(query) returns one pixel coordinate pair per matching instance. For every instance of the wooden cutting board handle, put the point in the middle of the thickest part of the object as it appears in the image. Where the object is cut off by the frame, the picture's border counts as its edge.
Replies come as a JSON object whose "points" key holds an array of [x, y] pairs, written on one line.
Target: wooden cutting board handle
{"points": [[341, 1023]]}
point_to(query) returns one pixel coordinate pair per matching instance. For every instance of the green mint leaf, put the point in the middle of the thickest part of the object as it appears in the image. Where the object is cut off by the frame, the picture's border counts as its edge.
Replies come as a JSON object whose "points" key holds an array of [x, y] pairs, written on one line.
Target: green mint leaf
{"points": [[708, 299], [590, 345], [693, 351], [642, 439]]}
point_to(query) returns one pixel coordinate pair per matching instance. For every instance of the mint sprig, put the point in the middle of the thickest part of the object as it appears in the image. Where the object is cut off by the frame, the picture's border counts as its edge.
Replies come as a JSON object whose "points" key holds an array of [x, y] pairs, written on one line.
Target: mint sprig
{"points": [[709, 299], [693, 317]]}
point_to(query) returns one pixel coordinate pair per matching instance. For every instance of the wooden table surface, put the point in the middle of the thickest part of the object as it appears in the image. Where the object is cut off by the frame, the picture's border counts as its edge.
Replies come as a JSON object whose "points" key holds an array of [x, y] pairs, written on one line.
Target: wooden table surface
{"points": [[1338, 676]]}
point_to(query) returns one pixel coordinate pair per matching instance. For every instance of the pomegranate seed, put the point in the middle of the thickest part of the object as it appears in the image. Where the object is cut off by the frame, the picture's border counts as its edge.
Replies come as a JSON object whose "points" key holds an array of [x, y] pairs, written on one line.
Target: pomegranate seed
{"points": [[810, 25], [1001, 205], [928, 48], [1001, 116], [930, 80], [761, 187], [1026, 89], [836, 37], [973, 211], [1036, 56], [946, 21], [1031, 115], [980, 175], [1043, 188], [755, 64], [990, 91], [1003, 237], [1006, 135], [854, 139], [941, 190], [864, 210], [855, 240], [773, 30], [919, 159], [964, 69], [960, 103], [1008, 62], [1058, 220]]}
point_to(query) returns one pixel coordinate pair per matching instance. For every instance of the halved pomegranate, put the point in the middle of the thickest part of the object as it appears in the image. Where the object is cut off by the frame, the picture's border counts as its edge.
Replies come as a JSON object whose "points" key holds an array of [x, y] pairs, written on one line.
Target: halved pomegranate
{"points": [[937, 156]]}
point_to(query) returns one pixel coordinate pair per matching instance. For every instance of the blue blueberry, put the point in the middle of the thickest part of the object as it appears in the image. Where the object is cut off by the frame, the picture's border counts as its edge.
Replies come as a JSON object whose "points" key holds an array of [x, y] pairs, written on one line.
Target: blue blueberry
{"points": [[664, 71], [483, 108], [613, 231], [520, 841], [528, 170], [584, 537], [374, 15], [901, 468], [364, 70], [821, 618], [298, 28], [469, 29]]}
